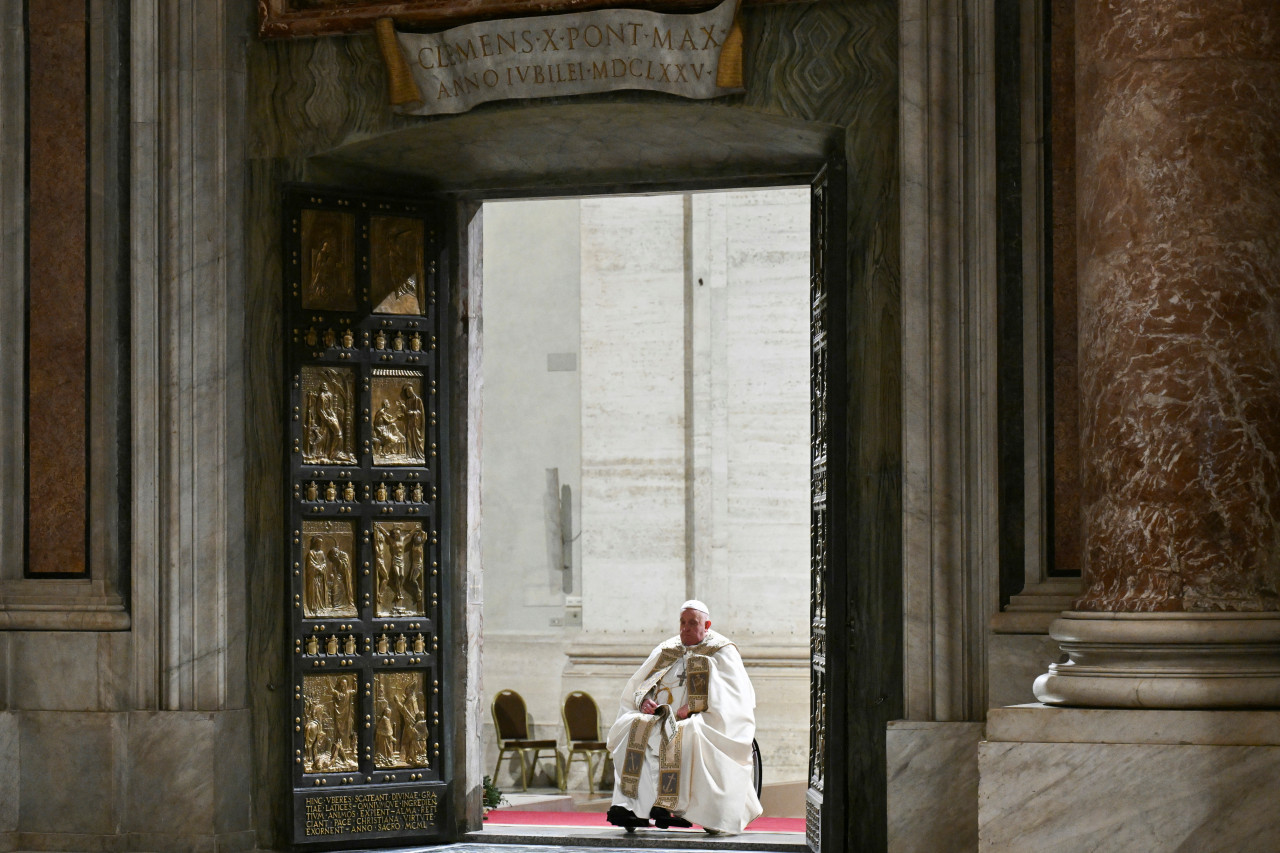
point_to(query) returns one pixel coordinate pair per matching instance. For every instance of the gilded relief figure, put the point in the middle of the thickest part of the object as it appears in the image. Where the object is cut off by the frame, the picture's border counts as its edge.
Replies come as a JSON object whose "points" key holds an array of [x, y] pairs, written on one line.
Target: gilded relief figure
{"points": [[396, 280], [328, 582], [401, 733], [328, 260], [328, 412], [415, 422], [399, 568], [329, 730], [399, 422], [388, 439]]}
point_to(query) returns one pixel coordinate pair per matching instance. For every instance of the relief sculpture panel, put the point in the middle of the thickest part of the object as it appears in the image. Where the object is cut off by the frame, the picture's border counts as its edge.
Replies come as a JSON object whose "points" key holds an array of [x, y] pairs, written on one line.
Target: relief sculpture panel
{"points": [[401, 733], [328, 415], [329, 723], [328, 260], [327, 576], [399, 430], [396, 280], [400, 551]]}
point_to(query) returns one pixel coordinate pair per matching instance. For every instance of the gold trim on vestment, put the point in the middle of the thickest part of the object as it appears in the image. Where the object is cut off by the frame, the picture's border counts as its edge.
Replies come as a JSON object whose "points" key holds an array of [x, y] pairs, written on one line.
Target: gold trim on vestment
{"points": [[633, 760], [697, 680], [671, 651], [669, 769]]}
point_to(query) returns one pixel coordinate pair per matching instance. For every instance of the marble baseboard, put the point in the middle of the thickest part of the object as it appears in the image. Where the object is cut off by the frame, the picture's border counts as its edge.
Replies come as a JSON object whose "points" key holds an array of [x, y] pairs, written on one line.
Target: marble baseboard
{"points": [[34, 842], [1069, 791], [142, 780], [933, 786]]}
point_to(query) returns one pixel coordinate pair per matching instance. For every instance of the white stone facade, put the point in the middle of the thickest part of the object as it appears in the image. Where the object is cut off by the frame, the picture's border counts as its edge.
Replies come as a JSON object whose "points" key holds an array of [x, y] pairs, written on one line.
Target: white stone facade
{"points": [[682, 434]]}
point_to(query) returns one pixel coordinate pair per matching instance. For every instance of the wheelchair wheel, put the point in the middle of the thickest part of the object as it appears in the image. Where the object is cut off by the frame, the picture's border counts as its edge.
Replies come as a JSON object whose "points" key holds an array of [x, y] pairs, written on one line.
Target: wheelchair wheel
{"points": [[757, 766]]}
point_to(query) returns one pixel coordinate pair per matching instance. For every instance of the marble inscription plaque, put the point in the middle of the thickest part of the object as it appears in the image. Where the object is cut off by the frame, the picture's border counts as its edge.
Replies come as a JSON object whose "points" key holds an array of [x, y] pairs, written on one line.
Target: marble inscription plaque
{"points": [[692, 56]]}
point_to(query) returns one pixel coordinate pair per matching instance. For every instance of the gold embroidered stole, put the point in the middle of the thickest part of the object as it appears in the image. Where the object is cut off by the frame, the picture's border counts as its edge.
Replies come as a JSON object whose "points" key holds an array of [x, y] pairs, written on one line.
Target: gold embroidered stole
{"points": [[697, 671], [633, 760], [669, 769]]}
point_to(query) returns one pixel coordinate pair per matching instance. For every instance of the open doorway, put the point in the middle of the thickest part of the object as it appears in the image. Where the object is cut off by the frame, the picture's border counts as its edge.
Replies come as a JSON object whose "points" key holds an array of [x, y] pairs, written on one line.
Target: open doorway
{"points": [[645, 438]]}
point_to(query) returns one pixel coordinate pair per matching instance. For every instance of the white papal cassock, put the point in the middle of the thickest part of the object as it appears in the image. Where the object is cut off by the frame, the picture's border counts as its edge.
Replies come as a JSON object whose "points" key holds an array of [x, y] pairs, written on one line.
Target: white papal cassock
{"points": [[700, 767]]}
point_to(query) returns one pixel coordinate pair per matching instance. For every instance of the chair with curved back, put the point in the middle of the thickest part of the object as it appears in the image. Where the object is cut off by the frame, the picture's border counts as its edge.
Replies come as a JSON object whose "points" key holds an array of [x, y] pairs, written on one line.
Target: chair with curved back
{"points": [[510, 723], [582, 729]]}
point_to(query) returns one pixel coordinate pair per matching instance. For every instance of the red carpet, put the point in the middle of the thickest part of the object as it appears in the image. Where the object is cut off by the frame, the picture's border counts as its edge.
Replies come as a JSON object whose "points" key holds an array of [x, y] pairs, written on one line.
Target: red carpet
{"points": [[513, 817]]}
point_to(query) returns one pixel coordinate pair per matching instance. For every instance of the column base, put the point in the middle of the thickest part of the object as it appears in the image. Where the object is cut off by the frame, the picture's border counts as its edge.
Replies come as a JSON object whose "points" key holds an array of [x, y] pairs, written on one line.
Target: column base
{"points": [[1165, 660]]}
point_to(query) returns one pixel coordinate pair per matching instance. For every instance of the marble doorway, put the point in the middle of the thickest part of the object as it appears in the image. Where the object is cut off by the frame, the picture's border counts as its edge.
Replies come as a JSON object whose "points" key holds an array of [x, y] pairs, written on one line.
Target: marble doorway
{"points": [[577, 150]]}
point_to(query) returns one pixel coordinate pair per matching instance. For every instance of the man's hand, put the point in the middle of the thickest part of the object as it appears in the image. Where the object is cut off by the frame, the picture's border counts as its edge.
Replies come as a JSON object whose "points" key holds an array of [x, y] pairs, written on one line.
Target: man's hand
{"points": [[648, 706], [683, 713]]}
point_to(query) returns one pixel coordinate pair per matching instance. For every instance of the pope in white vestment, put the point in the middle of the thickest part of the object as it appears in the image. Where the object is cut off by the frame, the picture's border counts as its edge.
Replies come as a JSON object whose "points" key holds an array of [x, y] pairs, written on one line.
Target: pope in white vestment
{"points": [[681, 744]]}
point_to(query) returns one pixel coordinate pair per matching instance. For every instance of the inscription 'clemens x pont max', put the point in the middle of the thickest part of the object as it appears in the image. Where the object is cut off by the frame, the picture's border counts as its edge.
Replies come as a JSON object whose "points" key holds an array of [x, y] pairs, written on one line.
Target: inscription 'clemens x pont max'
{"points": [[570, 54]]}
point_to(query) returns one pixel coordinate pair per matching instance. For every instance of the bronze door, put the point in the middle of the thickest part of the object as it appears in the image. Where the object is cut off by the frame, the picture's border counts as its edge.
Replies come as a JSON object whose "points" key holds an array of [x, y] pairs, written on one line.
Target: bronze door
{"points": [[364, 281], [824, 802]]}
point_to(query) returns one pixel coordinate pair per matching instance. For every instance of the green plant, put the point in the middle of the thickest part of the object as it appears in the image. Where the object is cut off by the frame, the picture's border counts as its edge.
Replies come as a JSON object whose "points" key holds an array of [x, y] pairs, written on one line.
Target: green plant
{"points": [[492, 795]]}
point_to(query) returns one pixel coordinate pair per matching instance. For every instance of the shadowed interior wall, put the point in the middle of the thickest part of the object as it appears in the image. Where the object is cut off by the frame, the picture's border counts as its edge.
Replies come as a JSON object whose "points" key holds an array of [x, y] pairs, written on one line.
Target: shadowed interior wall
{"points": [[823, 70]]}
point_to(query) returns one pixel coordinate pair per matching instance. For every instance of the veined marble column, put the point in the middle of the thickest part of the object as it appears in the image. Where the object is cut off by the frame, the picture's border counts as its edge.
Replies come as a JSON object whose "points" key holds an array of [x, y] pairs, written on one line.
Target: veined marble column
{"points": [[1178, 148]]}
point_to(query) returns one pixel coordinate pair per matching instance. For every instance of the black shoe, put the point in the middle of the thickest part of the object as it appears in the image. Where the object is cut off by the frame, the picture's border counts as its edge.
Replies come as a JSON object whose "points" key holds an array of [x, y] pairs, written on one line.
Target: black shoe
{"points": [[663, 819], [625, 818]]}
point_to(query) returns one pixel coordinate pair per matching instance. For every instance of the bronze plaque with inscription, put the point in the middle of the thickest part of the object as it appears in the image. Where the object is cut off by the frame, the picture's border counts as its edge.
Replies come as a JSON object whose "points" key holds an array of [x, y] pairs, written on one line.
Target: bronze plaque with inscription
{"points": [[410, 811]]}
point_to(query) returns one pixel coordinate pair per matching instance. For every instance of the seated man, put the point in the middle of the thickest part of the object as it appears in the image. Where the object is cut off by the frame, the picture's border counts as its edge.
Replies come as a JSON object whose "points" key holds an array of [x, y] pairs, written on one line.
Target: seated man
{"points": [[682, 742]]}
